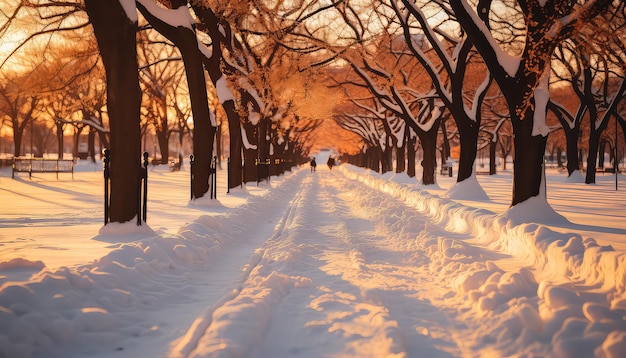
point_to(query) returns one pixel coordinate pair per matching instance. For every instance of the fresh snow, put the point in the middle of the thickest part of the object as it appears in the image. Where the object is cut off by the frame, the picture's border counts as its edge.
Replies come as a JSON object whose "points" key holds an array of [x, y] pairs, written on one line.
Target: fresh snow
{"points": [[341, 263]]}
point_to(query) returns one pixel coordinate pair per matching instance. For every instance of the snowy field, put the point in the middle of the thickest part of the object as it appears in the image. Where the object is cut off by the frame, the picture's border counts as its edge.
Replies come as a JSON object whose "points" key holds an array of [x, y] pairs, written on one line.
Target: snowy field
{"points": [[340, 263]]}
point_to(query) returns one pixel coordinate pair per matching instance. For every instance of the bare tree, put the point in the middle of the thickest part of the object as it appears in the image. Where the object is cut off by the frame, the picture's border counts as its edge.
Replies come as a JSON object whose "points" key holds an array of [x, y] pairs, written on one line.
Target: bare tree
{"points": [[524, 80]]}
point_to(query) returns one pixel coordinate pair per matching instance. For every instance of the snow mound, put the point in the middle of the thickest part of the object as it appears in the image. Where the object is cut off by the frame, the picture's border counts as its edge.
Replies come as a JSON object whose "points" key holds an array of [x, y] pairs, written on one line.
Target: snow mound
{"points": [[535, 209], [575, 177], [468, 189]]}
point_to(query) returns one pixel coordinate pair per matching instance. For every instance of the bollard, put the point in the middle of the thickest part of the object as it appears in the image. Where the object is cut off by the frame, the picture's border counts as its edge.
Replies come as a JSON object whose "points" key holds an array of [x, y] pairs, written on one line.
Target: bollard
{"points": [[145, 186], [213, 173], [191, 160], [106, 162]]}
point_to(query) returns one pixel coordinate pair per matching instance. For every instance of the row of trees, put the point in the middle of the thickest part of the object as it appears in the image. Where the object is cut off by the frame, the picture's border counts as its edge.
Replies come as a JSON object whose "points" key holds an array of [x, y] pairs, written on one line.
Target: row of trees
{"points": [[229, 52], [407, 71], [456, 69]]}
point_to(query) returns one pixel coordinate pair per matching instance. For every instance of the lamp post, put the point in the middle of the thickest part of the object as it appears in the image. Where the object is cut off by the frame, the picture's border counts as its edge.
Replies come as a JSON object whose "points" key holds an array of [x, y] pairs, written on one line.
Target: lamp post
{"points": [[615, 169]]}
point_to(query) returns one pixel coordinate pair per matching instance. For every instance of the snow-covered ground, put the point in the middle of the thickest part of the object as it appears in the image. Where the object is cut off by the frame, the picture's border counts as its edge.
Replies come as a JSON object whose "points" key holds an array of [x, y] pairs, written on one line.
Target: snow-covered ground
{"points": [[341, 263]]}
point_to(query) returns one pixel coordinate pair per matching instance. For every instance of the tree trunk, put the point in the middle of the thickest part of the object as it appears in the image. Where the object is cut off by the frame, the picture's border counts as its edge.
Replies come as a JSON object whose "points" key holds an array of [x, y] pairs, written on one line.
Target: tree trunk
{"points": [[492, 157], [571, 138], [386, 160], [601, 152], [410, 154], [401, 157], [59, 127], [115, 33], [429, 146], [468, 139], [163, 142], [262, 142], [204, 131], [528, 159], [235, 170], [592, 158], [18, 134], [251, 155], [91, 144]]}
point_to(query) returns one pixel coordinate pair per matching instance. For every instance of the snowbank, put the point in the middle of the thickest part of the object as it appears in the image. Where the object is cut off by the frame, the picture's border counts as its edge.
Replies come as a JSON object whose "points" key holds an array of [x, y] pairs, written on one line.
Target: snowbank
{"points": [[568, 290]]}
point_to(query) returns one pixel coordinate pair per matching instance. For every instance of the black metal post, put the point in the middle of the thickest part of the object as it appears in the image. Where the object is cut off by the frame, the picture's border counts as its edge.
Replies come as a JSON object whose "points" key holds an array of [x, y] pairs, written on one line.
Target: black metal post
{"points": [[145, 186], [107, 176], [213, 168], [139, 195], [191, 160]]}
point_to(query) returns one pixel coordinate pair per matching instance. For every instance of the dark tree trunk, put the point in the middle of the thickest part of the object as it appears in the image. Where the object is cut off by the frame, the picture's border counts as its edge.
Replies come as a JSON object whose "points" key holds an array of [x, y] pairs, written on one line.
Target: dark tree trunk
{"points": [[468, 139], [571, 138], [91, 144], [251, 155], [445, 147], [236, 175], [386, 160], [18, 135], [492, 157], [601, 151], [262, 142], [77, 133], [116, 40], [401, 157], [528, 159], [429, 162], [163, 141], [204, 132], [410, 154], [59, 127], [592, 158]]}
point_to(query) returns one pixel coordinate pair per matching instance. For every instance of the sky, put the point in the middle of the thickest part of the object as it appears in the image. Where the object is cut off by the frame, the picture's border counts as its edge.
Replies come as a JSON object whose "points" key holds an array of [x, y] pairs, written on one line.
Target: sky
{"points": [[335, 263]]}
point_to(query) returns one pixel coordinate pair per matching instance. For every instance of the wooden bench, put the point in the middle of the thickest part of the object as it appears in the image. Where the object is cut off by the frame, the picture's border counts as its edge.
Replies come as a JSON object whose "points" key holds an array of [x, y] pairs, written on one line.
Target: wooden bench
{"points": [[40, 165], [605, 170]]}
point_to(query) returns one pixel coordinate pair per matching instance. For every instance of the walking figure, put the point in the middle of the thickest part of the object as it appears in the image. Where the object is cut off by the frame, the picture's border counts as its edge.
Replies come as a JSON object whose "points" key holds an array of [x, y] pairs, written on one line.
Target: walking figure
{"points": [[330, 163], [313, 164]]}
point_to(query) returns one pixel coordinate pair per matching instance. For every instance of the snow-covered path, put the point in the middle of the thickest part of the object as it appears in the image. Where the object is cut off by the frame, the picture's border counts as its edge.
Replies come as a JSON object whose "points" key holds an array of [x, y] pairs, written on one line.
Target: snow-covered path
{"points": [[335, 263], [331, 281]]}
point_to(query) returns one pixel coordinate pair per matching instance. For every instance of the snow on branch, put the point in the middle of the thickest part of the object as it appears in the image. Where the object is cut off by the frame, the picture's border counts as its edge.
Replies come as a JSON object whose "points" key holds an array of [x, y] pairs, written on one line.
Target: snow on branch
{"points": [[508, 63], [130, 9], [179, 17], [223, 92]]}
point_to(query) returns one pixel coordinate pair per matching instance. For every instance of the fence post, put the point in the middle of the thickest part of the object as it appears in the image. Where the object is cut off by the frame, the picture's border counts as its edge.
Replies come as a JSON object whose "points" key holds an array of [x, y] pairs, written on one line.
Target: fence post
{"points": [[191, 160], [214, 178], [145, 186], [107, 176]]}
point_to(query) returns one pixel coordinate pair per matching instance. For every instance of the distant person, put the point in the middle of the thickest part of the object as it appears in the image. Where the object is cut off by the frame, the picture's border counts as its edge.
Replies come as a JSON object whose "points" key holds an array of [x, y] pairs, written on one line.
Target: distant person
{"points": [[330, 163], [313, 164]]}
